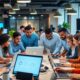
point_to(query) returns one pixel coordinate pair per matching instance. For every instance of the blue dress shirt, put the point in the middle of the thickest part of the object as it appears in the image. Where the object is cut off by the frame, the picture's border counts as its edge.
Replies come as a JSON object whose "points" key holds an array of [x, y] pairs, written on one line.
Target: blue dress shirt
{"points": [[30, 41], [15, 48]]}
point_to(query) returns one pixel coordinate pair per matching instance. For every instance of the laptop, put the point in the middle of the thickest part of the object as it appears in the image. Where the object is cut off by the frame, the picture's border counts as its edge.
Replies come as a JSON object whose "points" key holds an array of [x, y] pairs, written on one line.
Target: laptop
{"points": [[35, 51], [28, 64], [55, 63]]}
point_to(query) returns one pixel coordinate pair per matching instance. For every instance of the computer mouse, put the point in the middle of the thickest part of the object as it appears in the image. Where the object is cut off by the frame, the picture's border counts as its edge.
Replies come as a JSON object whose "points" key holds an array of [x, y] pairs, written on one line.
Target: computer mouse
{"points": [[42, 70], [46, 68]]}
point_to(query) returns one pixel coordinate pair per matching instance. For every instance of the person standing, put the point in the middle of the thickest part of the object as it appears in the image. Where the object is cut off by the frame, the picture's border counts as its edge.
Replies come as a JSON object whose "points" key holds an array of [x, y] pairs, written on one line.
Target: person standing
{"points": [[29, 39], [51, 41], [64, 45]]}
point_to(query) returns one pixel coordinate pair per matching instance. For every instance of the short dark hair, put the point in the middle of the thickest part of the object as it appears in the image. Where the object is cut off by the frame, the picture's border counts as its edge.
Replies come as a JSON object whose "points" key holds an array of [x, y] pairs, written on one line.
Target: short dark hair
{"points": [[48, 30], [4, 38], [22, 27], [40, 30], [28, 27], [62, 30], [16, 34], [77, 37]]}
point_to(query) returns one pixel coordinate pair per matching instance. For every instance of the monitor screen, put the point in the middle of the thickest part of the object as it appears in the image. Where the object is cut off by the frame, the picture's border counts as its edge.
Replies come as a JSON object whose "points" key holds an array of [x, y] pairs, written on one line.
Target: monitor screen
{"points": [[28, 64], [1, 25], [5, 31]]}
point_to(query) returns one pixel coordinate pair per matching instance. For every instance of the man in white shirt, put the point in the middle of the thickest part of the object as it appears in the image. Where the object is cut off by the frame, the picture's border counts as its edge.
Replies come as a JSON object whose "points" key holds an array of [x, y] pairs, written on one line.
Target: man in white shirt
{"points": [[51, 41]]}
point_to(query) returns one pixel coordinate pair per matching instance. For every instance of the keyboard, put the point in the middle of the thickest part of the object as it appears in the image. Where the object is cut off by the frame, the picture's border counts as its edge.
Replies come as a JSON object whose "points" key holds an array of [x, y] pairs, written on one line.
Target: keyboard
{"points": [[62, 75], [57, 65]]}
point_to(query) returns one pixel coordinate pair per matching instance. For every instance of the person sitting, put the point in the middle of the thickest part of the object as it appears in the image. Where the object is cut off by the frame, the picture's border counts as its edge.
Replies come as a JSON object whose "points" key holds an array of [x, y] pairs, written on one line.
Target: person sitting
{"points": [[74, 63], [4, 52], [73, 50], [16, 44], [29, 39], [62, 70]]}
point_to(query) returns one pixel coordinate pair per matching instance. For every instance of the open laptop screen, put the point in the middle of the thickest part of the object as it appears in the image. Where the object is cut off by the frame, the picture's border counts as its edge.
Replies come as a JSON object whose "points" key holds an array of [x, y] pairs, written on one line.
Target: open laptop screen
{"points": [[28, 64]]}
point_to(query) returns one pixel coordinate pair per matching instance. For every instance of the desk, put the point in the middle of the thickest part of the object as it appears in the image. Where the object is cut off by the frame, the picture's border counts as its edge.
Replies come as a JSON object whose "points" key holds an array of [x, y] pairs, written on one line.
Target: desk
{"points": [[46, 75]]}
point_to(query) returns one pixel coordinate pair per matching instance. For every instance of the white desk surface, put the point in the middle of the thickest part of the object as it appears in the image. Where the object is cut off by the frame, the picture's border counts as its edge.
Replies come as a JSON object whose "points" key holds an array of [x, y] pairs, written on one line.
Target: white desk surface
{"points": [[46, 75]]}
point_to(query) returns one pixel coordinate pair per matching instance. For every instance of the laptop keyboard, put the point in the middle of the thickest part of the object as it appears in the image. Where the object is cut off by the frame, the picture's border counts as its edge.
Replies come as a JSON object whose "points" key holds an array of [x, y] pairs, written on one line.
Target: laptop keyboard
{"points": [[57, 64], [62, 75]]}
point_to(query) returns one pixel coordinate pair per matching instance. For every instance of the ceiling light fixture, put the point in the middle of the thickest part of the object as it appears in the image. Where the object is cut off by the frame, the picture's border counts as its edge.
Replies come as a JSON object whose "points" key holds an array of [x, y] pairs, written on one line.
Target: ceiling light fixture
{"points": [[15, 9], [12, 12], [33, 11], [57, 14], [68, 6], [23, 1], [71, 12]]}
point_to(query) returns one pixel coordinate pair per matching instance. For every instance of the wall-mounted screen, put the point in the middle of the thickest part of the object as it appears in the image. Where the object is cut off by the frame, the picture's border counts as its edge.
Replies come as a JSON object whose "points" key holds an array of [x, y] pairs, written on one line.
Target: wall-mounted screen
{"points": [[1, 24]]}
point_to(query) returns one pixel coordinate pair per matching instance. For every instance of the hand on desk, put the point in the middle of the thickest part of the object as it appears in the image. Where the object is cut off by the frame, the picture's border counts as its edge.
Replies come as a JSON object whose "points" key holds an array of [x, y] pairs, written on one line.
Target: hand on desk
{"points": [[63, 59], [66, 64], [55, 55], [2, 70], [75, 76], [44, 51], [58, 69], [24, 52], [65, 69], [4, 61]]}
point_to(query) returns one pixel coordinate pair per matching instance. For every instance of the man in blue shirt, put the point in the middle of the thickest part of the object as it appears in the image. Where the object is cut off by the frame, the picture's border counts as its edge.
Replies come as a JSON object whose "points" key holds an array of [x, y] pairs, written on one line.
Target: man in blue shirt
{"points": [[16, 44], [51, 41], [29, 39], [63, 34]]}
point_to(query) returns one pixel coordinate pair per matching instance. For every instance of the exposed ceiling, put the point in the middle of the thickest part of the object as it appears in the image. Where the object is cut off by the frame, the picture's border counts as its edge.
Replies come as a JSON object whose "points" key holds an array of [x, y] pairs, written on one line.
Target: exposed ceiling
{"points": [[40, 5]]}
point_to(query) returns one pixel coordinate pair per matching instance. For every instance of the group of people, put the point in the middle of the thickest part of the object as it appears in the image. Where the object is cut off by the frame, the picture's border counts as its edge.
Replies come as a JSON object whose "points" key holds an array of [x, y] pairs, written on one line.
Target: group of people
{"points": [[59, 43]]}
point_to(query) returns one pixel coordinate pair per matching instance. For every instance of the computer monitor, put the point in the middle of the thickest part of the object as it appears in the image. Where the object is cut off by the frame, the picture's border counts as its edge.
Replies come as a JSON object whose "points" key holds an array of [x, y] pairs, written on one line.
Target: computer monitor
{"points": [[28, 64], [5, 31], [1, 25]]}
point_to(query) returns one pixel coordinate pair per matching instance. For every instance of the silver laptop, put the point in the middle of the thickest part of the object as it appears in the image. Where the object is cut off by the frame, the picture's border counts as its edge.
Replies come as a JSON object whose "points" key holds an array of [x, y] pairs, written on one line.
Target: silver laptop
{"points": [[35, 51]]}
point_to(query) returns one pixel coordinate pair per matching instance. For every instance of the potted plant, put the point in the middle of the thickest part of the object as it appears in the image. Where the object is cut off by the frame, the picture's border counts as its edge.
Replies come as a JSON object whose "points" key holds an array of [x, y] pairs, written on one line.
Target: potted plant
{"points": [[11, 32], [66, 25]]}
